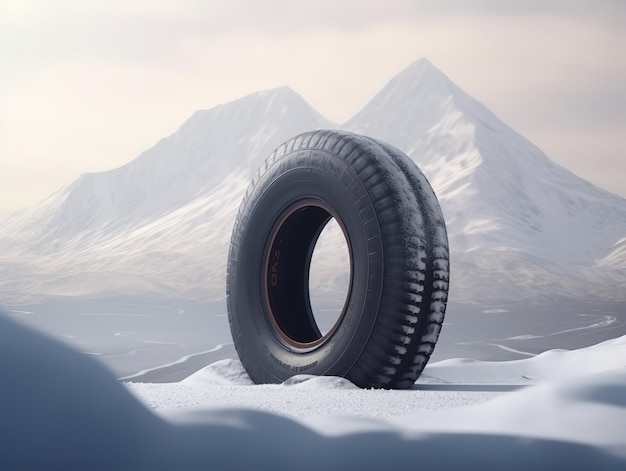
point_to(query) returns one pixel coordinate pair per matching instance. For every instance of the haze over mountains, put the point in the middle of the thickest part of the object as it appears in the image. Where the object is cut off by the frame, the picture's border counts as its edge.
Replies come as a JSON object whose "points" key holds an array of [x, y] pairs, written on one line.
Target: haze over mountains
{"points": [[520, 226]]}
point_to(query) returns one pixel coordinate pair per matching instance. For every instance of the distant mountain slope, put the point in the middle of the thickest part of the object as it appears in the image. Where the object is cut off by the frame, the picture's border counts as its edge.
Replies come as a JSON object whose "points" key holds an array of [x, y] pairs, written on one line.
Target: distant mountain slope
{"points": [[520, 226], [207, 149]]}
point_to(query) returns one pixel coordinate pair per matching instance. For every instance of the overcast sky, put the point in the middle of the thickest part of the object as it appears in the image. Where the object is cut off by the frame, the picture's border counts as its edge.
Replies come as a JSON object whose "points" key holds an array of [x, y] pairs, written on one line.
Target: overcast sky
{"points": [[87, 85]]}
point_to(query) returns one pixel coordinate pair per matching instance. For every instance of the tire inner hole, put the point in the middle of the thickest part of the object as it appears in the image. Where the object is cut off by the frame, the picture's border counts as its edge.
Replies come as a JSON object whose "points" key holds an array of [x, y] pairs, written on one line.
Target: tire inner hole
{"points": [[308, 276]]}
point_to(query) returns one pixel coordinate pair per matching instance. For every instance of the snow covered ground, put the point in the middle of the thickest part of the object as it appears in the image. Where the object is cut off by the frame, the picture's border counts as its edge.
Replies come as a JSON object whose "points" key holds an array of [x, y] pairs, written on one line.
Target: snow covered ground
{"points": [[558, 410]]}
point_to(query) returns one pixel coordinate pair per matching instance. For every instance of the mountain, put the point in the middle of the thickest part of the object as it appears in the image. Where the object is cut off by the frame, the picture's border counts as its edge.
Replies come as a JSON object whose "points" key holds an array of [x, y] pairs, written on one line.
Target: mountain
{"points": [[520, 226], [159, 224], [207, 149]]}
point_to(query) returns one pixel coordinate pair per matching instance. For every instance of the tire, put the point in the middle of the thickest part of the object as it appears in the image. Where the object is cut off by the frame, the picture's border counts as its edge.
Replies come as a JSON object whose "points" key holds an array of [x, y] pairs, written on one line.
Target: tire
{"points": [[398, 247]]}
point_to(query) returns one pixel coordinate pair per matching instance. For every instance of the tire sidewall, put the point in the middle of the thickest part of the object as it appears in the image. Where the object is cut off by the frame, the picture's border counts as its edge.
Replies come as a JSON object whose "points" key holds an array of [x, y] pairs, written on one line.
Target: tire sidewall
{"points": [[329, 181]]}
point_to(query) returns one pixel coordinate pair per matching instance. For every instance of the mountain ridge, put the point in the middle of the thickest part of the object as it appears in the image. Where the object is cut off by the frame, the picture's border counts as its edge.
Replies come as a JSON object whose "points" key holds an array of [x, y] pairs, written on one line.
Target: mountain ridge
{"points": [[520, 226], [173, 172]]}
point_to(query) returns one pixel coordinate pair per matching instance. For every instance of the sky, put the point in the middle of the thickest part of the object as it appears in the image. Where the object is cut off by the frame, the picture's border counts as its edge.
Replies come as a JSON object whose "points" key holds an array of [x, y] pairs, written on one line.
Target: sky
{"points": [[88, 86]]}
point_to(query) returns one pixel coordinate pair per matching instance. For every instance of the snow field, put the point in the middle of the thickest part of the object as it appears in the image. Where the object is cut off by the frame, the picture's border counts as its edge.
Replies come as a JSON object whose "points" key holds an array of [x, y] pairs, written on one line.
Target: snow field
{"points": [[64, 409]]}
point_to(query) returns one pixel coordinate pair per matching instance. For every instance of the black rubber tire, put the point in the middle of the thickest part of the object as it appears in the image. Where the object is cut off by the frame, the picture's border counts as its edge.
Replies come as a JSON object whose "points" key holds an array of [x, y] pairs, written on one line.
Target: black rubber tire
{"points": [[398, 247]]}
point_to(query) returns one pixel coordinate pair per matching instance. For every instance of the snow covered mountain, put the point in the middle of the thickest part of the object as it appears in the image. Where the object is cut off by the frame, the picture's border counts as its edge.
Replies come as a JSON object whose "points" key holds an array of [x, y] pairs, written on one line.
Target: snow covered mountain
{"points": [[159, 224], [520, 226], [210, 147]]}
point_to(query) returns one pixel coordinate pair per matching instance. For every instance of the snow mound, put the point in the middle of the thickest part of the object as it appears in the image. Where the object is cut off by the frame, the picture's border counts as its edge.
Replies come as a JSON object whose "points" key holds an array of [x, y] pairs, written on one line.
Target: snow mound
{"points": [[574, 410], [227, 372], [549, 365], [319, 382], [230, 372]]}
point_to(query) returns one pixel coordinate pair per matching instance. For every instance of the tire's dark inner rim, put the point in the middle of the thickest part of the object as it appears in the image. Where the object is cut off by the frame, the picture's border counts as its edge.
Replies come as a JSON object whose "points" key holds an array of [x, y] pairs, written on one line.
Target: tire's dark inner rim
{"points": [[286, 280]]}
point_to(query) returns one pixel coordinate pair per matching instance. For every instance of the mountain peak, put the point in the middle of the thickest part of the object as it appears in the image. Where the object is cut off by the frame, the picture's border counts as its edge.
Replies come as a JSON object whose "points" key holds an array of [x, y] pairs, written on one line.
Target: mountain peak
{"points": [[270, 95], [264, 97], [422, 68], [418, 80], [415, 101]]}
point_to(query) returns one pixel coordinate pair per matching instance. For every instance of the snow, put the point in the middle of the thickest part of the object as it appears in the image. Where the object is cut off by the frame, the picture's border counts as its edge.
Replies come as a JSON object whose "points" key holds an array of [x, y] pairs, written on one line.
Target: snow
{"points": [[62, 409]]}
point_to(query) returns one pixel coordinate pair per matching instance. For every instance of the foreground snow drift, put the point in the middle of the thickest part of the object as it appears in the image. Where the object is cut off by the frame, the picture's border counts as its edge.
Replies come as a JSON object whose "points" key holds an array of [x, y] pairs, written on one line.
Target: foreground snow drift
{"points": [[60, 408]]}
